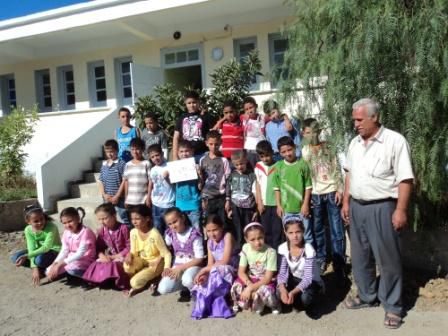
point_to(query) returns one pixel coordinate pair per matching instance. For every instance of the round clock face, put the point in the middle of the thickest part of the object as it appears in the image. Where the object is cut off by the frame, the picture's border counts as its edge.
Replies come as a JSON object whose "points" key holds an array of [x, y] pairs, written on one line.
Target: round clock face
{"points": [[217, 53]]}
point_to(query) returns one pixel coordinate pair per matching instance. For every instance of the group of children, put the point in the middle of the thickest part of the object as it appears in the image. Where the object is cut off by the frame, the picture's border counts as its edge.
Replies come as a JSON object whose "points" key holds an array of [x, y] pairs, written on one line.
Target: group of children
{"points": [[262, 247]]}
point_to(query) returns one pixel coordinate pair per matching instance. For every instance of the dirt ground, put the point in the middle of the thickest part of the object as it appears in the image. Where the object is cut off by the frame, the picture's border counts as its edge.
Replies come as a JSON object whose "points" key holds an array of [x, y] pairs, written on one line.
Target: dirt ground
{"points": [[69, 308]]}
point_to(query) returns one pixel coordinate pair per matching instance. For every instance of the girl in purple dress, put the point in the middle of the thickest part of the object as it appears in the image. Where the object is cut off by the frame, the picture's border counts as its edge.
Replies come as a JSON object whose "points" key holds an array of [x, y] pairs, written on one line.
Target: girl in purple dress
{"points": [[112, 245], [213, 282]]}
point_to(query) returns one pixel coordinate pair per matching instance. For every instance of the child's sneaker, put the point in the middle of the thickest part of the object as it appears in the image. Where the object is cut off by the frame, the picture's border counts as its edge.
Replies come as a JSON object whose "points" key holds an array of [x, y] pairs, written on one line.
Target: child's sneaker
{"points": [[276, 311], [258, 305], [235, 308]]}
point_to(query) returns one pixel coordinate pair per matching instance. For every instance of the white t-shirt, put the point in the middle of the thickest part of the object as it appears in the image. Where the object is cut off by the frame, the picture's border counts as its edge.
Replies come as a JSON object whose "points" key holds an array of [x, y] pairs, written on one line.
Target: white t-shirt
{"points": [[163, 194], [137, 176]]}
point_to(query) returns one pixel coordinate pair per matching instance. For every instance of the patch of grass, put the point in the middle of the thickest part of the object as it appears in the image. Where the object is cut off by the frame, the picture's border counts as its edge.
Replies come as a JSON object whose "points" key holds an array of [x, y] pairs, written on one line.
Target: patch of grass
{"points": [[17, 188]]}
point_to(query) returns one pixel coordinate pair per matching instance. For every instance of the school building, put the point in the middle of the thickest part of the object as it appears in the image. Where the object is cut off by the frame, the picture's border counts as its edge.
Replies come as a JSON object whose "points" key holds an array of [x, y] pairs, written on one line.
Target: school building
{"points": [[80, 63]]}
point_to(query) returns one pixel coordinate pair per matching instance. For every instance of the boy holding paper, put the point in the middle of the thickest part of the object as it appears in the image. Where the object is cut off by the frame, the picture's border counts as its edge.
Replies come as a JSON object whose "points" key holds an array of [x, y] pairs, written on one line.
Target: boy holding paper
{"points": [[160, 188], [188, 196]]}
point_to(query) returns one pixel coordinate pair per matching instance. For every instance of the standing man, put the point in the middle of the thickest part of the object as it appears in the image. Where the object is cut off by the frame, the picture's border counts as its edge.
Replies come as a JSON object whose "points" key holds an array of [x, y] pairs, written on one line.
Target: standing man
{"points": [[378, 186]]}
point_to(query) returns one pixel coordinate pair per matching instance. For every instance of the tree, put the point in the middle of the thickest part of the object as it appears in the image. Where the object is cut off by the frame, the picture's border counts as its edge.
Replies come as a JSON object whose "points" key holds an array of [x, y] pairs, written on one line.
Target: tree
{"points": [[393, 50]]}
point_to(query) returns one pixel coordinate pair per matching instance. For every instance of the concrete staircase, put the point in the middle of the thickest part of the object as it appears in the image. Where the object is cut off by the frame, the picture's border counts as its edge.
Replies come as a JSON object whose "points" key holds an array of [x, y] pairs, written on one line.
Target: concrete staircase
{"points": [[85, 194]]}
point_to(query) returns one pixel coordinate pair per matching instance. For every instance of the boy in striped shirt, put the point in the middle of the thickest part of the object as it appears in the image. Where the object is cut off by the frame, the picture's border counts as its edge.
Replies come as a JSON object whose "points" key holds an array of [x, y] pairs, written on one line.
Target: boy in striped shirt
{"points": [[111, 179]]}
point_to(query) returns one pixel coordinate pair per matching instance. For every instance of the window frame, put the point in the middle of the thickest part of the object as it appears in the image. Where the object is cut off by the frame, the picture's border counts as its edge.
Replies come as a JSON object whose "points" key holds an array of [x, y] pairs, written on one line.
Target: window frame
{"points": [[255, 86], [272, 37], [93, 89], [40, 92], [62, 87]]}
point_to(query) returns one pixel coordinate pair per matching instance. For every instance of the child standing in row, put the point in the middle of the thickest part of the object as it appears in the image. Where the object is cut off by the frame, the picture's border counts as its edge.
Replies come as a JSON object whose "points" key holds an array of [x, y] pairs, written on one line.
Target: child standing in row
{"points": [[136, 176], [192, 126], [326, 194], [298, 277], [153, 135], [125, 133], [188, 195], [292, 185], [255, 288], [188, 249], [149, 255], [214, 170], [232, 130], [254, 128], [42, 242], [161, 191], [278, 126], [78, 246], [213, 282], [265, 196], [240, 200], [111, 179], [112, 245]]}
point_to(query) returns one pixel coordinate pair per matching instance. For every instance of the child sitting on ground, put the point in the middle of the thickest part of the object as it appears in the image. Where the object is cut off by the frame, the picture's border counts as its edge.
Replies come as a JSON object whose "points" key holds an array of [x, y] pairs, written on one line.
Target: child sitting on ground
{"points": [[42, 242], [213, 282], [78, 246], [112, 245], [144, 261], [298, 277], [188, 248], [255, 288]]}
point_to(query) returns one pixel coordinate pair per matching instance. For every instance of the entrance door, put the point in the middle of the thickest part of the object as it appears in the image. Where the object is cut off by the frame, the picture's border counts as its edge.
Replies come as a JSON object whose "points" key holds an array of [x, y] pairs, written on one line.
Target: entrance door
{"points": [[184, 66]]}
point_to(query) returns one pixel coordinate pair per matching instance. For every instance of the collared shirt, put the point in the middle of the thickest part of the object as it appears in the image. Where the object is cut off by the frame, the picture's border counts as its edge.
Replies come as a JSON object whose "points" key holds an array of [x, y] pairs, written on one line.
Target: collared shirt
{"points": [[377, 168], [111, 175]]}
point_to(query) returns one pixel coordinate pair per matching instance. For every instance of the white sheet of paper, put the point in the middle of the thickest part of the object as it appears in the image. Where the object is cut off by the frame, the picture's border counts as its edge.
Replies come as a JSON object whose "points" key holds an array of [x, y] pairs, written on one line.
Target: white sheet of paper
{"points": [[182, 170]]}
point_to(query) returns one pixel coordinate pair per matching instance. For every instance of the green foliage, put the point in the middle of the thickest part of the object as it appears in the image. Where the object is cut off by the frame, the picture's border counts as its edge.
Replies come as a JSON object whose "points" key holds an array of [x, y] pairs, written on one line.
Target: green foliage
{"points": [[16, 130], [17, 188], [394, 51], [231, 81]]}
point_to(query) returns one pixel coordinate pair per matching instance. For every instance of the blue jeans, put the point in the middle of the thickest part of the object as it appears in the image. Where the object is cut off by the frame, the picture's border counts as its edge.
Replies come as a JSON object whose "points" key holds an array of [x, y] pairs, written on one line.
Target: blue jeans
{"points": [[319, 203], [157, 218], [195, 218], [123, 214], [42, 261]]}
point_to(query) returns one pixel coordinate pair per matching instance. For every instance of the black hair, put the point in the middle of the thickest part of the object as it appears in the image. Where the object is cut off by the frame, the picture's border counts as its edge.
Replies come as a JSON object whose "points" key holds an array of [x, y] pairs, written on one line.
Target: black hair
{"points": [[270, 105], [213, 134], [214, 219], [151, 115], [229, 103], [112, 144], [137, 143], [285, 141], [185, 144], [253, 228], [78, 213], [264, 148], [249, 100], [155, 148], [142, 210], [301, 228], [239, 154], [108, 208], [191, 94], [124, 109], [34, 208], [309, 122], [176, 210]]}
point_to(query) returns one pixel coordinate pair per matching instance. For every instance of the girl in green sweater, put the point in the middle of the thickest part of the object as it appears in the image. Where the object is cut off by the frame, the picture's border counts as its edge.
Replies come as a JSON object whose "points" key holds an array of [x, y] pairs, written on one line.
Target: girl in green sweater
{"points": [[42, 241]]}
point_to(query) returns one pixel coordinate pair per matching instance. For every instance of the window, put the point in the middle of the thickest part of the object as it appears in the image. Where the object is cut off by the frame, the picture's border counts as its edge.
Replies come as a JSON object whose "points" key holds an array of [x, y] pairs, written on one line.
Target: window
{"points": [[242, 48], [181, 57], [43, 90], [123, 73], [8, 99], [277, 49], [97, 83], [66, 83], [12, 92]]}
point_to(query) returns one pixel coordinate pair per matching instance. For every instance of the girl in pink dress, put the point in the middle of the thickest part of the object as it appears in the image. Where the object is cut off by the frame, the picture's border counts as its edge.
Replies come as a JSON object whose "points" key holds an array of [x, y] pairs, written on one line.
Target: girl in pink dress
{"points": [[78, 246], [112, 245]]}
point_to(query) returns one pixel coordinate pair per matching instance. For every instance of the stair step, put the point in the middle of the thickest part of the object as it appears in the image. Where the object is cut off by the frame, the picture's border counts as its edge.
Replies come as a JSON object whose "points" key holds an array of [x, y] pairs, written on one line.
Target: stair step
{"points": [[90, 177], [85, 190], [97, 163]]}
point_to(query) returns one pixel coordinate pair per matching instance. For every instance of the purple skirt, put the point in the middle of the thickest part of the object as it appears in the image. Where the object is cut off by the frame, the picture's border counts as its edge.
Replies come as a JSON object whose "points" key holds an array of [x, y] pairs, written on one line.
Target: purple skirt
{"points": [[99, 272], [211, 296]]}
